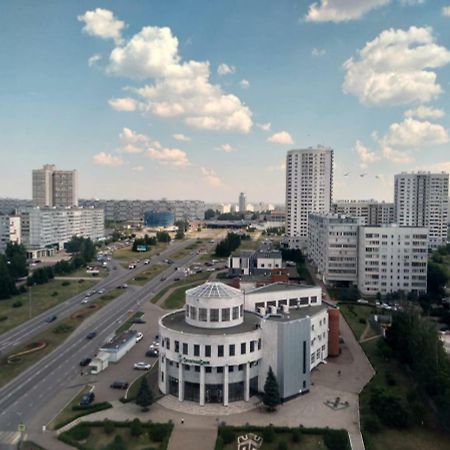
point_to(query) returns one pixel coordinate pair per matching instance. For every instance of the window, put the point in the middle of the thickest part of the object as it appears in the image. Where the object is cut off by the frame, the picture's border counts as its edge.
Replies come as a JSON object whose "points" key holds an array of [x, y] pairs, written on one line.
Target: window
{"points": [[185, 349], [252, 346], [243, 348], [235, 312], [259, 344], [241, 310], [187, 310], [214, 315], [202, 314], [186, 367], [197, 368], [230, 368], [168, 343], [241, 367], [193, 313], [220, 370], [232, 350], [225, 314], [207, 350], [196, 350], [220, 351], [208, 369], [292, 302], [177, 346]]}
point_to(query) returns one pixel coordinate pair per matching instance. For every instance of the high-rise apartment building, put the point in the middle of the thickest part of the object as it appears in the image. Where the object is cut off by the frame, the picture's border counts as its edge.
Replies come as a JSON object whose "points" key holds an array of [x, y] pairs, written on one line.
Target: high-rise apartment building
{"points": [[10, 231], [52, 187], [392, 258], [421, 200], [333, 246], [309, 181], [373, 212], [242, 202]]}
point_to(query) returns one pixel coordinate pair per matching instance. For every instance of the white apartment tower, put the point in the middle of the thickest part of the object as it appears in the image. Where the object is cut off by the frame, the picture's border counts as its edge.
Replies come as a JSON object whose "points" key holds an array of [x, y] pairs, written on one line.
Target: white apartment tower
{"points": [[52, 187], [373, 212], [242, 202], [421, 200], [309, 181]]}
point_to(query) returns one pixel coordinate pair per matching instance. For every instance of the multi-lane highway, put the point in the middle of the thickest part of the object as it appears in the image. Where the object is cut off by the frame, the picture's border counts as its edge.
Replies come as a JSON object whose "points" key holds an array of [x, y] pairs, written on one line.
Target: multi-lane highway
{"points": [[24, 399]]}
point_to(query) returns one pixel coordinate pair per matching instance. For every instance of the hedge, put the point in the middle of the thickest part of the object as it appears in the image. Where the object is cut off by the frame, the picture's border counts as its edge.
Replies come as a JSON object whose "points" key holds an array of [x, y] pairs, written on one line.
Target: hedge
{"points": [[84, 410]]}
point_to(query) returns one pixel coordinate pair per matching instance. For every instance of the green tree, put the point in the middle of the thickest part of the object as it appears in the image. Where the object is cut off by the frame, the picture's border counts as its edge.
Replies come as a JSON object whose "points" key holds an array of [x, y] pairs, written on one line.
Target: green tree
{"points": [[179, 234], [271, 397], [136, 428], [17, 260], [209, 214], [163, 236], [437, 278], [144, 397], [117, 444], [7, 285]]}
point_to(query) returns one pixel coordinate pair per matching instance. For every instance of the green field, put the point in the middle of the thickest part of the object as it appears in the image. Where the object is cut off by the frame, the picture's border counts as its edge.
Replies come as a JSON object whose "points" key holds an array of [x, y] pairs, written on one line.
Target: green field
{"points": [[126, 255], [356, 316], [145, 276], [41, 298]]}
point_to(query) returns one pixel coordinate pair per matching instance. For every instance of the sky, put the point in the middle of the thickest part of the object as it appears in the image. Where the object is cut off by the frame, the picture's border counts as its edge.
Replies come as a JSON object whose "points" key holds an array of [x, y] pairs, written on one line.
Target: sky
{"points": [[193, 99]]}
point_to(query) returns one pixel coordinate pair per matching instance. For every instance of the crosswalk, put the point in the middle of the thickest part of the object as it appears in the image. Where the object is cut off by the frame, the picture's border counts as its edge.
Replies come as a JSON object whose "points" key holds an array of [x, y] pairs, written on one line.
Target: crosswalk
{"points": [[9, 437]]}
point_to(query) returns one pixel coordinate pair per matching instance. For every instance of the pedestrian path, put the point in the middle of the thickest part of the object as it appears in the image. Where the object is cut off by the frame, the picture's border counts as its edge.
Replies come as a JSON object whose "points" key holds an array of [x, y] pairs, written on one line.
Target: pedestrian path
{"points": [[9, 437], [185, 438]]}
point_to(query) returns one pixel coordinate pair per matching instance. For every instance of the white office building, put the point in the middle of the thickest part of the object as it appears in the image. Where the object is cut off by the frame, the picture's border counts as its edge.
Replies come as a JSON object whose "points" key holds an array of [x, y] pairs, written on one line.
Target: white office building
{"points": [[421, 200], [47, 229], [242, 202], [10, 231], [218, 349], [333, 247], [392, 258], [373, 212], [309, 181], [53, 187]]}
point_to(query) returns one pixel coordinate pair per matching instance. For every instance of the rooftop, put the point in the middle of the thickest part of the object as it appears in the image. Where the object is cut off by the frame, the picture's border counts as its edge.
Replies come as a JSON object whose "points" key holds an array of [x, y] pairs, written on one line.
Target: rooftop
{"points": [[274, 287], [213, 289], [298, 313], [120, 340], [176, 321]]}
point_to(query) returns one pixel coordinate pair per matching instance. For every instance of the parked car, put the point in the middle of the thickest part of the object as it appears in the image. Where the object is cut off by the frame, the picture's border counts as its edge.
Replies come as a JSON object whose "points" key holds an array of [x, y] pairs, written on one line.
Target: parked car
{"points": [[51, 318], [138, 320], [85, 300], [87, 399], [152, 353], [119, 385], [155, 344], [176, 279], [139, 336], [142, 366], [91, 335], [85, 362]]}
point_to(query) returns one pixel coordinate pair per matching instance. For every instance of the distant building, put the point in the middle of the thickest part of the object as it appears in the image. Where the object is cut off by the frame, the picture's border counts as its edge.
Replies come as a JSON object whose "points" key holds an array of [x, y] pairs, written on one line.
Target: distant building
{"points": [[10, 231], [52, 187], [159, 219], [392, 258], [242, 202], [9, 206], [47, 229], [252, 262], [333, 246], [421, 200], [309, 181], [373, 212]]}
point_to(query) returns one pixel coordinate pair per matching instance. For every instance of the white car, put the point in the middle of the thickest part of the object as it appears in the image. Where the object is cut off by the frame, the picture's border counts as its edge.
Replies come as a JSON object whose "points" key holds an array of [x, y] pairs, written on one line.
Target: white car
{"points": [[139, 336], [142, 366], [85, 300], [146, 261], [155, 344]]}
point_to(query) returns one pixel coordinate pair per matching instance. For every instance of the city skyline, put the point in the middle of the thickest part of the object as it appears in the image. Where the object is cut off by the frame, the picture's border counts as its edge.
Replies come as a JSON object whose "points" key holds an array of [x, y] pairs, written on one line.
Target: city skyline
{"points": [[86, 92]]}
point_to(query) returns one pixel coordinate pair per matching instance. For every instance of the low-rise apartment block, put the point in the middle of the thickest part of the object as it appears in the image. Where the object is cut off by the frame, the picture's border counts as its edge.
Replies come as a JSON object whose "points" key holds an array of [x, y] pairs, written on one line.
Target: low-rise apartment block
{"points": [[373, 212], [10, 231]]}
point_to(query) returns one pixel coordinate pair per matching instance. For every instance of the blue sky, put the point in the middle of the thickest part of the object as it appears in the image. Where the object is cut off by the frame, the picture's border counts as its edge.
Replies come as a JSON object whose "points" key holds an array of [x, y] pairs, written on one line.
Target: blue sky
{"points": [[200, 99]]}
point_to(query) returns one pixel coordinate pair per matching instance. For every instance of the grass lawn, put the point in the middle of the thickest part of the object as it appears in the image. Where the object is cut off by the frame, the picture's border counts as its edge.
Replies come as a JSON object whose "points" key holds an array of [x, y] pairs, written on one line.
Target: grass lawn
{"points": [[126, 255], [185, 251], [145, 276], [67, 413], [42, 298], [98, 439], [202, 276], [127, 324], [152, 379], [52, 336], [356, 316], [308, 442], [417, 437]]}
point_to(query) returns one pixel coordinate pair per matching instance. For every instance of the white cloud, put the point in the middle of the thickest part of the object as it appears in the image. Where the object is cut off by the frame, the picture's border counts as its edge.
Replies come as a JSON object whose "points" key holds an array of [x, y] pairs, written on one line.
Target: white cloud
{"points": [[277, 168], [180, 89], [414, 133], [211, 177], [264, 126], [365, 155], [395, 68], [94, 59], [282, 137], [318, 52], [132, 142], [412, 2], [244, 84], [446, 11], [227, 148], [181, 137], [424, 112], [225, 69], [126, 104], [341, 10], [138, 168], [107, 159], [443, 166], [103, 24], [397, 156], [169, 156]]}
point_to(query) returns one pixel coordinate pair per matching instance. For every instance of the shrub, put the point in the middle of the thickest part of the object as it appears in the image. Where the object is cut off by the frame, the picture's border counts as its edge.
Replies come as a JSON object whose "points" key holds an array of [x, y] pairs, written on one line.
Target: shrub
{"points": [[65, 283], [269, 434], [136, 428], [108, 427], [282, 445], [3, 318], [372, 424], [62, 329], [157, 432], [363, 321], [80, 281], [336, 440], [227, 436], [80, 432], [296, 436], [54, 293], [22, 289], [390, 380], [17, 304]]}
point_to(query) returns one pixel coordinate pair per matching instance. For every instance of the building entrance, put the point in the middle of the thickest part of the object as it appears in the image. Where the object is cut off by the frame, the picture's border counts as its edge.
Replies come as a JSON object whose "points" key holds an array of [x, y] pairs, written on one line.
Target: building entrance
{"points": [[214, 393]]}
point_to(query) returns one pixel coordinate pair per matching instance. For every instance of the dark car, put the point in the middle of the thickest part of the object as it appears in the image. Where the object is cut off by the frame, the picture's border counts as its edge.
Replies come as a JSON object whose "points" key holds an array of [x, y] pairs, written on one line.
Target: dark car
{"points": [[119, 385], [137, 320], [51, 319], [85, 362], [152, 353], [87, 399], [176, 279], [91, 335], [162, 279]]}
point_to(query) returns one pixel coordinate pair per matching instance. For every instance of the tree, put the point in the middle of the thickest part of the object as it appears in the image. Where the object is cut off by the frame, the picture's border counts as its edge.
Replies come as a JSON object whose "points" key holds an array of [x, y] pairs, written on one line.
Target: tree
{"points": [[17, 260], [209, 214], [144, 397], [271, 397], [7, 285], [163, 236], [136, 428], [179, 234], [437, 277]]}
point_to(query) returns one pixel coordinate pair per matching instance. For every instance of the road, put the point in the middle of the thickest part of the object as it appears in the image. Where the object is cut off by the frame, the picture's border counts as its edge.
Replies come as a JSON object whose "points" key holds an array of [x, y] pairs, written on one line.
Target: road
{"points": [[24, 399]]}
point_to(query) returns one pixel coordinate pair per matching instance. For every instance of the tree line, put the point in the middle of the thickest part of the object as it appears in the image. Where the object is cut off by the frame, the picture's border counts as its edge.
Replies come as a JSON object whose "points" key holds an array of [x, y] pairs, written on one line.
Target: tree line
{"points": [[230, 244]]}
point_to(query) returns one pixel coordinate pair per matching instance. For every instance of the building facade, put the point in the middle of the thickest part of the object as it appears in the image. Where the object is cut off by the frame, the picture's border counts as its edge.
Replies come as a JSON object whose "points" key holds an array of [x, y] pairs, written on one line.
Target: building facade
{"points": [[309, 181], [158, 219], [373, 212], [242, 202], [421, 200], [52, 187], [333, 247], [392, 258], [10, 231], [217, 351], [44, 229]]}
